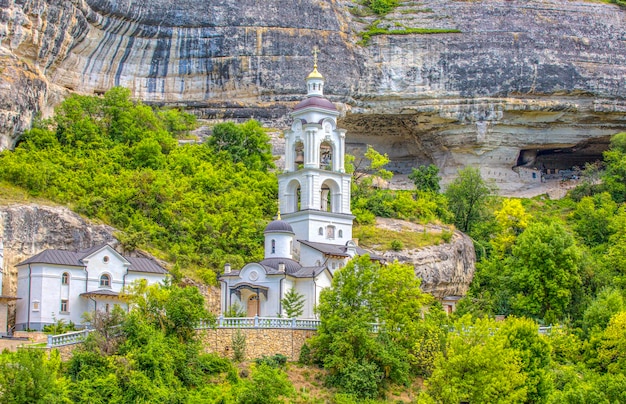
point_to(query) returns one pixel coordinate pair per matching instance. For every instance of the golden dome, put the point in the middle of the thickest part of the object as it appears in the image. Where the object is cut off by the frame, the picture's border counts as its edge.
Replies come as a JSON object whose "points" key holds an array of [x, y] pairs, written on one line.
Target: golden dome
{"points": [[315, 74]]}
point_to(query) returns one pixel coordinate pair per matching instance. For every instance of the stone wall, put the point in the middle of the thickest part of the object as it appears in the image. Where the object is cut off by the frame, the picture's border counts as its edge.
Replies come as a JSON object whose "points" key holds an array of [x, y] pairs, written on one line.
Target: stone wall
{"points": [[259, 342]]}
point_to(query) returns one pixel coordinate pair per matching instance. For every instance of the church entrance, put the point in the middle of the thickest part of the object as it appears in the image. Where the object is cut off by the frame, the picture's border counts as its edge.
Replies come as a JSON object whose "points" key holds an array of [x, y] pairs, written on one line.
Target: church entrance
{"points": [[253, 306]]}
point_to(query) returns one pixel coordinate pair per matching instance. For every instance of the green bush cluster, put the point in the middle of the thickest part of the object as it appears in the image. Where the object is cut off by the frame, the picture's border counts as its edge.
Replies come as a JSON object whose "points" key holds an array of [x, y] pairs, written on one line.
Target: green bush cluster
{"points": [[118, 161]]}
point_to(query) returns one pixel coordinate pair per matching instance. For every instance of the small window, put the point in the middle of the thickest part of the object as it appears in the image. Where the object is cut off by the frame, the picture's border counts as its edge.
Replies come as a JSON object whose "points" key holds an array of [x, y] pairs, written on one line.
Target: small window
{"points": [[320, 231], [106, 308], [105, 281], [340, 232], [35, 305], [273, 246], [64, 306], [105, 259], [65, 278]]}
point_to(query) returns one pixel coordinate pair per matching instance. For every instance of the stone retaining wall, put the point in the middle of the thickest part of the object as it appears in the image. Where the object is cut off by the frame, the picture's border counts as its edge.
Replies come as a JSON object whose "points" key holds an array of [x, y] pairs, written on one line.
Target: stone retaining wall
{"points": [[259, 342]]}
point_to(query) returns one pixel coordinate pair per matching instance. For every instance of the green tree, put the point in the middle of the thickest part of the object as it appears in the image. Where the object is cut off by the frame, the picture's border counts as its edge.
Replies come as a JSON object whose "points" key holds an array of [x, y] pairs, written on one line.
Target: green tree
{"points": [[478, 366], [359, 358], [293, 303], [612, 349], [614, 177], [426, 178], [466, 198], [543, 272], [511, 221], [534, 352], [29, 376], [173, 309], [247, 143], [592, 218], [371, 164], [598, 314]]}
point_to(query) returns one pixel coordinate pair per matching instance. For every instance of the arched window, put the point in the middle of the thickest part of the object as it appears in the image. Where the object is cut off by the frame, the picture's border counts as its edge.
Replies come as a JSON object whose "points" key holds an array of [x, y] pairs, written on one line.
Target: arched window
{"points": [[320, 231], [299, 155], [273, 246], [340, 233], [330, 232], [65, 278], [105, 281], [326, 156]]}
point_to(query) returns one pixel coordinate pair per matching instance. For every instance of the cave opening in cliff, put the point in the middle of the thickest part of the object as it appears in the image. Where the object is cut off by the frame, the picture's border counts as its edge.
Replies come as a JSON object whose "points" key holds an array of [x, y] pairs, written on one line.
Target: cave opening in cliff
{"points": [[554, 160]]}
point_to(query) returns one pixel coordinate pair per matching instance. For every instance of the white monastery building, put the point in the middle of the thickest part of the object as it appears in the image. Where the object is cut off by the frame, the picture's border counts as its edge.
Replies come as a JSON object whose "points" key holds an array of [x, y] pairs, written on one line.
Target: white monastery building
{"points": [[63, 285], [313, 237]]}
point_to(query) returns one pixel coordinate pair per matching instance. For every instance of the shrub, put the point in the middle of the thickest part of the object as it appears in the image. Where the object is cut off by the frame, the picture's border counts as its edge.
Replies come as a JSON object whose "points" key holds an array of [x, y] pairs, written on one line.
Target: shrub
{"points": [[276, 361], [239, 346], [397, 245]]}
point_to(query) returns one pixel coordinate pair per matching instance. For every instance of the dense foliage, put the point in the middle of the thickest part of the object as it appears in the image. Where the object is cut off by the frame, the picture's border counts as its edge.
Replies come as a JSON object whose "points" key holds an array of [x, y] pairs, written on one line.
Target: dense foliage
{"points": [[118, 160], [144, 356]]}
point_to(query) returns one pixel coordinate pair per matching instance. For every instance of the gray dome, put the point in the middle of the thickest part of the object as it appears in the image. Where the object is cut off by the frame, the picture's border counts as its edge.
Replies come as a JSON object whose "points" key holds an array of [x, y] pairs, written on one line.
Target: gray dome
{"points": [[278, 226], [291, 266]]}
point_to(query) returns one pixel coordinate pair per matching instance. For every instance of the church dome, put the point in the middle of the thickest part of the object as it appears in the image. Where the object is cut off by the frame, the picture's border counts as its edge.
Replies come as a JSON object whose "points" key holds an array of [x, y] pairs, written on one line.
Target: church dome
{"points": [[291, 266], [317, 102], [315, 74], [278, 226]]}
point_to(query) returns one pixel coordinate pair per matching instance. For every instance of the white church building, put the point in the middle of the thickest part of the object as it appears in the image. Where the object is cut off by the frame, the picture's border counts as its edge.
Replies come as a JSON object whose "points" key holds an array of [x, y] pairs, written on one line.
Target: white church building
{"points": [[63, 285], [313, 236]]}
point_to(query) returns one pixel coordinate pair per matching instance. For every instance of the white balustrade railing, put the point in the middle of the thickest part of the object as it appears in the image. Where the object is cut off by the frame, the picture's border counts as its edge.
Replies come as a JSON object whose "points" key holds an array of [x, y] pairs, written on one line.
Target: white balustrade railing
{"points": [[74, 337], [234, 322], [266, 322]]}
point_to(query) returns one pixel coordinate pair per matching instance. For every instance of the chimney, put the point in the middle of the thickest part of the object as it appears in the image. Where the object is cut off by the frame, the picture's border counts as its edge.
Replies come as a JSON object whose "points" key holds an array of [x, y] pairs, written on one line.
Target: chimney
{"points": [[227, 268]]}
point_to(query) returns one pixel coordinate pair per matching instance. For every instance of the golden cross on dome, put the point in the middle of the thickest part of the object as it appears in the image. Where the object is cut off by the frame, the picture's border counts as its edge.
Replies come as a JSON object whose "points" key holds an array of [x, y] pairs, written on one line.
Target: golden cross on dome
{"points": [[316, 50]]}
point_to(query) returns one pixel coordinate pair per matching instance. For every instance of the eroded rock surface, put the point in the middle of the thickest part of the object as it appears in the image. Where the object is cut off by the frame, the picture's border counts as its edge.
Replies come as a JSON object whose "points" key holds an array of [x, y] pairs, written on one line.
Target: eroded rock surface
{"points": [[446, 269], [532, 83], [27, 230]]}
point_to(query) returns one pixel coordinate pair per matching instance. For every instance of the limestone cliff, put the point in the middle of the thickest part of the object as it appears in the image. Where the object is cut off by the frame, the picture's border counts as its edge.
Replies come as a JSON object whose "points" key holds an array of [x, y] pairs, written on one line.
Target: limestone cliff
{"points": [[446, 269], [525, 83], [29, 229]]}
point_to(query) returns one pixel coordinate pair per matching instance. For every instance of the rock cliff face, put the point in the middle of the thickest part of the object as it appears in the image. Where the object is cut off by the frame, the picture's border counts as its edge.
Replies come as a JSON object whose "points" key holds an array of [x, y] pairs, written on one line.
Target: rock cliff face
{"points": [[445, 269], [29, 229], [532, 83]]}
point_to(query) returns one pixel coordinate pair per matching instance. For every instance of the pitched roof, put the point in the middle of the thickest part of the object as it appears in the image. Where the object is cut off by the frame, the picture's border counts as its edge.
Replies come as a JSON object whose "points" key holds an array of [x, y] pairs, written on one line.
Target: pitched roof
{"points": [[75, 259], [309, 272], [338, 250], [56, 257], [101, 293], [145, 265]]}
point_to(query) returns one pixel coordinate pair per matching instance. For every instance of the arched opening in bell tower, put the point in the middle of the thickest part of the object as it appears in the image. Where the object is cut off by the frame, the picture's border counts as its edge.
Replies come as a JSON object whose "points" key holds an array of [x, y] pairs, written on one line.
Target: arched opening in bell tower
{"points": [[326, 156], [330, 197], [293, 195], [298, 150]]}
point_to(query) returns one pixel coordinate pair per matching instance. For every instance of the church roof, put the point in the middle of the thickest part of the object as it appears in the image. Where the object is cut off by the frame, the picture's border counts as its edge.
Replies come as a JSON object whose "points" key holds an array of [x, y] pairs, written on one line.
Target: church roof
{"points": [[100, 293], [317, 102], [308, 272], [338, 250], [75, 259], [291, 266], [278, 226]]}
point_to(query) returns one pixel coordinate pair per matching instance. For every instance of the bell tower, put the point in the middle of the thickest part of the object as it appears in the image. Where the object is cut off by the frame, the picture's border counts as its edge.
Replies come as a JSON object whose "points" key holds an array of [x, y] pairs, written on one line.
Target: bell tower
{"points": [[314, 189]]}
